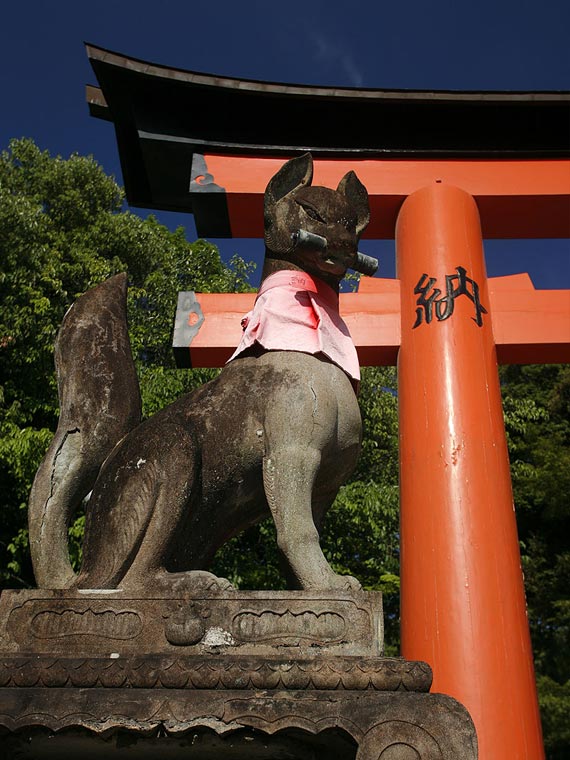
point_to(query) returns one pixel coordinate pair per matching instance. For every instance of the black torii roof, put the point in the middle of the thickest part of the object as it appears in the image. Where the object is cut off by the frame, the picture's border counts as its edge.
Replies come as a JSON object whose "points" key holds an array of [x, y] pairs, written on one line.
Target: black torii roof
{"points": [[162, 116]]}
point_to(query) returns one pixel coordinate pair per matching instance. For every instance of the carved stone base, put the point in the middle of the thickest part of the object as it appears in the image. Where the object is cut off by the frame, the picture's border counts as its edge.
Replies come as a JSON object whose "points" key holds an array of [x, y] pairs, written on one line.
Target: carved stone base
{"points": [[278, 675], [104, 622], [366, 725]]}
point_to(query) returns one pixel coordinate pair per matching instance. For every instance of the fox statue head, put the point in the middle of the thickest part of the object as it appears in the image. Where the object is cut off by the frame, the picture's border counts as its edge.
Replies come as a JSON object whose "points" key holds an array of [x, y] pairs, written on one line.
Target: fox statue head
{"points": [[315, 229]]}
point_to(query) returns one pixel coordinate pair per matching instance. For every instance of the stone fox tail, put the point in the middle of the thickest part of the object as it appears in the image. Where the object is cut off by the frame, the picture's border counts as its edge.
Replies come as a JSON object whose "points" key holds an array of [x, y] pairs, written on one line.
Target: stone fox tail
{"points": [[100, 403]]}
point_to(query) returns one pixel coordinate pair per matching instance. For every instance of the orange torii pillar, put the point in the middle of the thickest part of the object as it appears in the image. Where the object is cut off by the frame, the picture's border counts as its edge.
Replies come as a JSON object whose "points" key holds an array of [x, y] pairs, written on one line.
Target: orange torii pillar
{"points": [[463, 606]]}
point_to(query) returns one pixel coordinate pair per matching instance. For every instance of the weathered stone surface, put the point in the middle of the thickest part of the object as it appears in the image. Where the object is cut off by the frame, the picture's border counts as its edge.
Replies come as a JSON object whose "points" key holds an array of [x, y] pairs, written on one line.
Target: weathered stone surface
{"points": [[92, 667], [100, 402], [145, 649], [382, 725], [221, 672], [294, 623]]}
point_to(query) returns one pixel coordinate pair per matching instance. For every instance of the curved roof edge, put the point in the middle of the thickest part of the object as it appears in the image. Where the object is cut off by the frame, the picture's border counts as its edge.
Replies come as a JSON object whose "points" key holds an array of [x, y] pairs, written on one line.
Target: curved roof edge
{"points": [[167, 119], [149, 69]]}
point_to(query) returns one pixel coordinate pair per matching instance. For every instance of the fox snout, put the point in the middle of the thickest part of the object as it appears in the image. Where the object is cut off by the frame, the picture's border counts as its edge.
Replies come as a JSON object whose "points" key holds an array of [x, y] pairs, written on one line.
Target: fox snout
{"points": [[336, 219], [304, 240]]}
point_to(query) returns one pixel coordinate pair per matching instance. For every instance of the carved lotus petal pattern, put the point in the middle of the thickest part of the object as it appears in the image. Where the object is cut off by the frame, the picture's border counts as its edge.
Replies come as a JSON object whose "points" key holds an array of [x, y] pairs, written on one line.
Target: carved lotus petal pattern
{"points": [[296, 678], [85, 674], [56, 675], [385, 676], [353, 678], [175, 676], [113, 676], [417, 673], [143, 674], [265, 677], [219, 673], [234, 677], [205, 677], [26, 673], [328, 678]]}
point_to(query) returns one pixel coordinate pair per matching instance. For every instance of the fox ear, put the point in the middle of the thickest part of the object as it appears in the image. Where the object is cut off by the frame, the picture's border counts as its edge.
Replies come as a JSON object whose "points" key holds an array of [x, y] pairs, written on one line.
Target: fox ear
{"points": [[296, 173], [354, 190]]}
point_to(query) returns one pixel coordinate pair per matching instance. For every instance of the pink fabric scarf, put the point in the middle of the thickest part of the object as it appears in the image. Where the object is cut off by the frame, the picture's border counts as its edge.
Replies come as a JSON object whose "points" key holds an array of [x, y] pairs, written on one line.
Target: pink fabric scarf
{"points": [[294, 312]]}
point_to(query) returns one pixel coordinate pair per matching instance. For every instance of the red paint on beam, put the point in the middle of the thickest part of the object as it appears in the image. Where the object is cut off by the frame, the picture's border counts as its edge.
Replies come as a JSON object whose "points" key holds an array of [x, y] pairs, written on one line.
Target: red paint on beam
{"points": [[373, 321], [529, 326], [515, 198]]}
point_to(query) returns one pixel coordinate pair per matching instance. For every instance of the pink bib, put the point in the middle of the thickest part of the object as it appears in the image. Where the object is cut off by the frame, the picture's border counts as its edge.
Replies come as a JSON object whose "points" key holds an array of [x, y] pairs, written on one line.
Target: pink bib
{"points": [[294, 312]]}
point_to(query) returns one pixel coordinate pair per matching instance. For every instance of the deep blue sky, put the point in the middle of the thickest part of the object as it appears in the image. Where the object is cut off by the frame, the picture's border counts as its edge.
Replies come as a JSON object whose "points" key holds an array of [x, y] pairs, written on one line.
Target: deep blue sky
{"points": [[484, 45]]}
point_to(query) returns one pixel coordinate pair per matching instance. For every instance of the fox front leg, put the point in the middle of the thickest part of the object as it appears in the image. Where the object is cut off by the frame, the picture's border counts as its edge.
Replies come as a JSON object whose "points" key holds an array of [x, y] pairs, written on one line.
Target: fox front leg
{"points": [[288, 478]]}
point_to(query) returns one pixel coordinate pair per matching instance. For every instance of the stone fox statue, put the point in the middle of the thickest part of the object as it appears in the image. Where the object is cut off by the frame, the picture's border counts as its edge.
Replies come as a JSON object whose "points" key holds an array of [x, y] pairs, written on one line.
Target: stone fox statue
{"points": [[278, 431]]}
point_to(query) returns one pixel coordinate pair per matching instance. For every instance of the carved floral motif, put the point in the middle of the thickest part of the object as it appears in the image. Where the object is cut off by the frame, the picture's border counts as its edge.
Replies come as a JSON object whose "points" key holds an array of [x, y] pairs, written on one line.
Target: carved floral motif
{"points": [[267, 625], [106, 624]]}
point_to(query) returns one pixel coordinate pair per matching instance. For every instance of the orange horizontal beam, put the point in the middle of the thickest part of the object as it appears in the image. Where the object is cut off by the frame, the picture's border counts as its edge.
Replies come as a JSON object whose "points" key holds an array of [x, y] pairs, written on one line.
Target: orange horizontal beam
{"points": [[529, 326], [516, 199], [374, 323]]}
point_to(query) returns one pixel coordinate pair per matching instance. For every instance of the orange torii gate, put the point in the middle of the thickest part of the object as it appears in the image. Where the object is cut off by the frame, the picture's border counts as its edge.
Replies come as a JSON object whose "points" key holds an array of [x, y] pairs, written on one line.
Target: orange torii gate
{"points": [[489, 165]]}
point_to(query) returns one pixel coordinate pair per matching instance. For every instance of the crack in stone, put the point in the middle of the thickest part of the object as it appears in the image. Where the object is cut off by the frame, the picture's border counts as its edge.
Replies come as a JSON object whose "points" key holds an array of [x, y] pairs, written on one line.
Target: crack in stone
{"points": [[314, 412], [68, 433]]}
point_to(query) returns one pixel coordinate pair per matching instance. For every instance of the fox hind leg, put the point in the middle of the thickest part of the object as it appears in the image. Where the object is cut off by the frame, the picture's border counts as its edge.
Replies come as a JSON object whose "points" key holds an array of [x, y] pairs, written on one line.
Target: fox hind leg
{"points": [[139, 504]]}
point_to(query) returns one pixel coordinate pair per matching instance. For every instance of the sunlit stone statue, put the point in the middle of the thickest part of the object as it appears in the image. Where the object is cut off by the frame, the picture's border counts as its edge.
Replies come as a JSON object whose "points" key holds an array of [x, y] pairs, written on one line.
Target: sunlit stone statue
{"points": [[277, 432]]}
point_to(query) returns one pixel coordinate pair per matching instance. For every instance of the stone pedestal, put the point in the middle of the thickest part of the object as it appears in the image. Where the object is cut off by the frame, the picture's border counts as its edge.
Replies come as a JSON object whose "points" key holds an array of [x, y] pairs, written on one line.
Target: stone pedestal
{"points": [[255, 675]]}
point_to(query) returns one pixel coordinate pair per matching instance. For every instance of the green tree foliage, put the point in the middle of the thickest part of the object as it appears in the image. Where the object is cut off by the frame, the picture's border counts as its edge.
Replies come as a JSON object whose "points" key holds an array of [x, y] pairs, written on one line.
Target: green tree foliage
{"points": [[63, 230], [537, 416]]}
